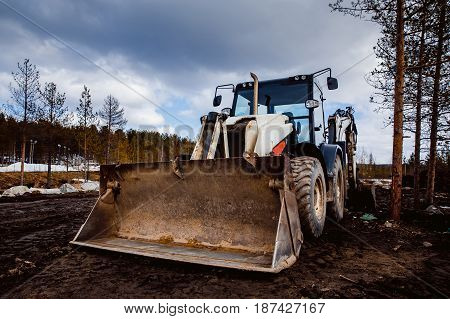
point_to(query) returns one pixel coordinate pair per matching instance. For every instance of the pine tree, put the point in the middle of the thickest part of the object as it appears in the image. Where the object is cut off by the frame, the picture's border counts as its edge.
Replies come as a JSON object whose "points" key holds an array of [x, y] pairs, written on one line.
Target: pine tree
{"points": [[424, 95], [53, 112], [25, 94], [86, 118], [113, 116], [418, 115], [441, 33], [385, 13], [397, 146]]}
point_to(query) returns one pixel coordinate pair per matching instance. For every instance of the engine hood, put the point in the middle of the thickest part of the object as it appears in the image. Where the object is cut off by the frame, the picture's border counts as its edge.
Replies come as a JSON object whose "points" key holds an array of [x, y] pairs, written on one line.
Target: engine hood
{"points": [[272, 129], [261, 119]]}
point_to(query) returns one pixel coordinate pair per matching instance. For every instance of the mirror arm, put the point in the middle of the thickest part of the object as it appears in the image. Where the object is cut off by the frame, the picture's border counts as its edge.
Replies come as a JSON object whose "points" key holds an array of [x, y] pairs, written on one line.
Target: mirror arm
{"points": [[320, 72], [224, 87], [320, 90]]}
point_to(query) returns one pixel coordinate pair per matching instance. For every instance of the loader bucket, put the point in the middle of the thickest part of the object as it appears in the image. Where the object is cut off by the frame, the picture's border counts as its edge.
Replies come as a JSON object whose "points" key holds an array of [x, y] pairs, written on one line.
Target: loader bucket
{"points": [[218, 212]]}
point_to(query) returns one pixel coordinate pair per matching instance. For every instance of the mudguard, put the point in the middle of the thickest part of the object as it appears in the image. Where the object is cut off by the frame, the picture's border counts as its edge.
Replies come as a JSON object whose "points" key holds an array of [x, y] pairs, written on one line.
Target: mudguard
{"points": [[329, 152]]}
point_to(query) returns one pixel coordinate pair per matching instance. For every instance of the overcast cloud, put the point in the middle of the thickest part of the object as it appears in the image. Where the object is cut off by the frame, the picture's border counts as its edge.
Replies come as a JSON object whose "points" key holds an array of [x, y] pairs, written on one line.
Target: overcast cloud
{"points": [[173, 53]]}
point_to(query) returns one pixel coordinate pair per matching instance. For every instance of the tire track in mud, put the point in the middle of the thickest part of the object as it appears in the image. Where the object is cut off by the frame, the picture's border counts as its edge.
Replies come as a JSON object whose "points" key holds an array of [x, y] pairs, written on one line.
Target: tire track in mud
{"points": [[34, 233]]}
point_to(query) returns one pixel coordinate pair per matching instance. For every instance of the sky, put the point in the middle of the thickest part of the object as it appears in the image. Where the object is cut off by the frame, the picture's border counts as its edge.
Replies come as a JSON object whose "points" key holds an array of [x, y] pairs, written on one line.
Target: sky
{"points": [[162, 59]]}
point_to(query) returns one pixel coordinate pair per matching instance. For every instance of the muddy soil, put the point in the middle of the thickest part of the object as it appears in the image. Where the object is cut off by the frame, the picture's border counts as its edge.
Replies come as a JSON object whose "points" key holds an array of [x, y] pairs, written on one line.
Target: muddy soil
{"points": [[355, 259]]}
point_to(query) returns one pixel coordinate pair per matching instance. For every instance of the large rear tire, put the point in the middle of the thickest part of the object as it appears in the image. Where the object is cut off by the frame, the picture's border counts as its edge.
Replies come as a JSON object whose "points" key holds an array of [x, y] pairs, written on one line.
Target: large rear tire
{"points": [[336, 207], [310, 190]]}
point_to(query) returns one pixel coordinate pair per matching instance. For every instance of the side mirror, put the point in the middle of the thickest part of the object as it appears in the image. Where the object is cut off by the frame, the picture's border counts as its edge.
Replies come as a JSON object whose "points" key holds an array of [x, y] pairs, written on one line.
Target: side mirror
{"points": [[332, 83], [311, 104], [217, 100]]}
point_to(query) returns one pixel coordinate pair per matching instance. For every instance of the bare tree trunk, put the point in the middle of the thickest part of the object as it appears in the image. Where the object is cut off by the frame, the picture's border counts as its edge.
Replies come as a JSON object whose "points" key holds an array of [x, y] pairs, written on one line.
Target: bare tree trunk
{"points": [[435, 105], [25, 100], [109, 133], [49, 156], [22, 157], [49, 168], [397, 147], [108, 147], [162, 151], [419, 117], [86, 162]]}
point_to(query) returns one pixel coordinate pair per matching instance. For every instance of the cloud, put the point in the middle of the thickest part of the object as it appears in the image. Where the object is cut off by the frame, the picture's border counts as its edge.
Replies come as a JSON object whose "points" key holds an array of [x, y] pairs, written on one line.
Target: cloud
{"points": [[166, 56]]}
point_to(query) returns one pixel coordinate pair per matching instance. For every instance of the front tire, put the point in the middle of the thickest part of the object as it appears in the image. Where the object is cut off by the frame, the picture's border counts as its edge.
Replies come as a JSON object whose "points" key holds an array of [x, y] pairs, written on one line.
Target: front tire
{"points": [[336, 207], [310, 191]]}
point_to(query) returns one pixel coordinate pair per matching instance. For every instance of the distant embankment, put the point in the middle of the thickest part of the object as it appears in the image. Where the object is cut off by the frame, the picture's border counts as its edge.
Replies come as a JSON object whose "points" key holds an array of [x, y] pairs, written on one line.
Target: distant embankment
{"points": [[383, 171], [374, 170], [39, 179]]}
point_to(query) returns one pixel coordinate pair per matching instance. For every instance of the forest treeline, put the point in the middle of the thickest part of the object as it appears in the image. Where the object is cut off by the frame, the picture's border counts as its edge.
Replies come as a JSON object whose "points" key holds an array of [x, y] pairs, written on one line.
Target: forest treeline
{"points": [[36, 126], [126, 145]]}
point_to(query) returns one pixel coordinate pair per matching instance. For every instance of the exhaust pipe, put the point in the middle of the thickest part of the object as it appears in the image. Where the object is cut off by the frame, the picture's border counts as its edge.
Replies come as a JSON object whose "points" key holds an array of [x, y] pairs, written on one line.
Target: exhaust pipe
{"points": [[255, 94], [251, 130]]}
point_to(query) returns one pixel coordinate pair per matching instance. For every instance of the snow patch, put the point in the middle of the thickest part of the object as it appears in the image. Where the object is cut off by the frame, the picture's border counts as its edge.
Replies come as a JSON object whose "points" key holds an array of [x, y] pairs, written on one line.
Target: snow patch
{"points": [[44, 167], [45, 191], [16, 190], [82, 180], [67, 188], [90, 186]]}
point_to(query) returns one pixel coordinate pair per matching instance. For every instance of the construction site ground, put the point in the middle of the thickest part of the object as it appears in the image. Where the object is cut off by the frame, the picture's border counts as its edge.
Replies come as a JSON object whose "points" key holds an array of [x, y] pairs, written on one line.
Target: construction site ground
{"points": [[353, 259]]}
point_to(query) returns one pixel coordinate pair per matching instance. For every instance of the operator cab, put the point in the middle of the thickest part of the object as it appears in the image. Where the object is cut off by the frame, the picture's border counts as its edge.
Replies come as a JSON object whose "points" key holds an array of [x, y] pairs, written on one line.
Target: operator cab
{"points": [[282, 96], [299, 97]]}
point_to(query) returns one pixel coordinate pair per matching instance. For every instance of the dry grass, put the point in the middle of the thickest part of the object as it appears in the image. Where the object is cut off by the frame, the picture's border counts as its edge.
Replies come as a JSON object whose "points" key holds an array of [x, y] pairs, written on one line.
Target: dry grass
{"points": [[39, 179]]}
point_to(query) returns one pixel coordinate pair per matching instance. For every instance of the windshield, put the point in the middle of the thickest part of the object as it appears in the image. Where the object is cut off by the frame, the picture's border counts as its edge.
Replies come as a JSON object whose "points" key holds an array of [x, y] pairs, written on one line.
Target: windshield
{"points": [[274, 98]]}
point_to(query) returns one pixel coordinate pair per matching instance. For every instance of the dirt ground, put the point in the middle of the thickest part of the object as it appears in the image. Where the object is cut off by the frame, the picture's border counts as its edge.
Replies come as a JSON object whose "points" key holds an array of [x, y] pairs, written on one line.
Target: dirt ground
{"points": [[355, 259]]}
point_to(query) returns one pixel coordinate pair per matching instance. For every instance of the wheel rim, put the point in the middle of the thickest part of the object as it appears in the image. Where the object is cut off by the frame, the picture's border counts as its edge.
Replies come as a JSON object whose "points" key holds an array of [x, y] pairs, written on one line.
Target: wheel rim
{"points": [[319, 199]]}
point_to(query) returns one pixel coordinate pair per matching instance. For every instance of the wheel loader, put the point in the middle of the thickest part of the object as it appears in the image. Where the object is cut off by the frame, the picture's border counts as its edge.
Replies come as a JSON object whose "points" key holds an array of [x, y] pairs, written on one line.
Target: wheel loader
{"points": [[263, 172]]}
